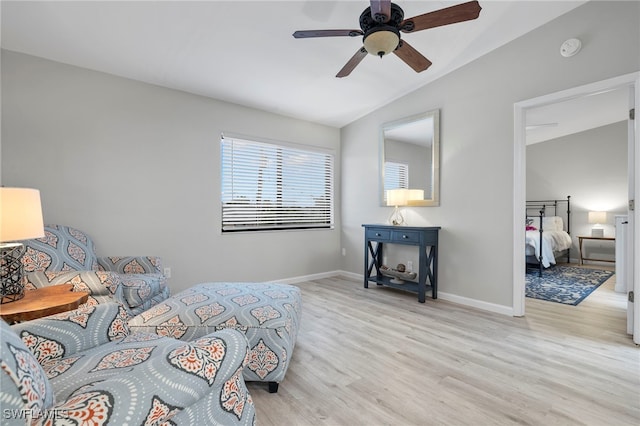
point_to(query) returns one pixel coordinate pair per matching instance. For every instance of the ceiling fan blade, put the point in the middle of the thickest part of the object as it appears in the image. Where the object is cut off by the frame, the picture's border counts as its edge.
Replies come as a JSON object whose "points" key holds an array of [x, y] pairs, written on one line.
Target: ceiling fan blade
{"points": [[353, 62], [450, 15], [381, 10], [412, 57], [327, 33]]}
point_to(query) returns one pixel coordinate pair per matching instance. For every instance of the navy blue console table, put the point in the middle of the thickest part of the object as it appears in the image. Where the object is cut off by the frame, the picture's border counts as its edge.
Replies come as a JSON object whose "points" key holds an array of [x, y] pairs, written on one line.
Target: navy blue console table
{"points": [[425, 238]]}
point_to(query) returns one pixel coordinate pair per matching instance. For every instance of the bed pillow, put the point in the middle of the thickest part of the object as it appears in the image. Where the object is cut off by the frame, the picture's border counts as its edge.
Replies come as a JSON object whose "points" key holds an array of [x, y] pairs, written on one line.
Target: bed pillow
{"points": [[559, 224], [549, 223]]}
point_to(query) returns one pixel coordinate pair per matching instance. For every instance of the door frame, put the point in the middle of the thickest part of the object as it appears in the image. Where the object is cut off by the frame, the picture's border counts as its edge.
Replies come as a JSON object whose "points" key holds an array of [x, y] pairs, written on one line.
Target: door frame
{"points": [[631, 80]]}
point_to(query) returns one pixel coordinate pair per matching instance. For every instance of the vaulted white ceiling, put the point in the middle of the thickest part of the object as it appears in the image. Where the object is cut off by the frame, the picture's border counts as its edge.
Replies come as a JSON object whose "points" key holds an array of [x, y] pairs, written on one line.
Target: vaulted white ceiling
{"points": [[577, 115], [243, 51]]}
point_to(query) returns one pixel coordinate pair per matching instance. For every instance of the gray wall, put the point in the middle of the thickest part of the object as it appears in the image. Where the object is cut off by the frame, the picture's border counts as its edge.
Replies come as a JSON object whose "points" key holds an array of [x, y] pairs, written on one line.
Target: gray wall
{"points": [[590, 166], [137, 167], [476, 104]]}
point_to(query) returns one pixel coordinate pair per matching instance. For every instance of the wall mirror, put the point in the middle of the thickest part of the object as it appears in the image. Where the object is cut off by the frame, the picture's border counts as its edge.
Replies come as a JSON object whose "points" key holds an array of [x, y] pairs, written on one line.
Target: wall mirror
{"points": [[410, 157]]}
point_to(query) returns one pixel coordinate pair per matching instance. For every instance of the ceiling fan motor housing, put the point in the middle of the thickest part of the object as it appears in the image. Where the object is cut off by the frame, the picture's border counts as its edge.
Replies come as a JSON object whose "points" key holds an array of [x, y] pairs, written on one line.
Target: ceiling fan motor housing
{"points": [[381, 38]]}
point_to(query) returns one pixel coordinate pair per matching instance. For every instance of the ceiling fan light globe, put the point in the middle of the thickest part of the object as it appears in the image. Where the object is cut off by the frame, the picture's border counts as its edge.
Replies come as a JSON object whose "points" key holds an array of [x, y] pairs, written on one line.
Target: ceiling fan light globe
{"points": [[381, 42]]}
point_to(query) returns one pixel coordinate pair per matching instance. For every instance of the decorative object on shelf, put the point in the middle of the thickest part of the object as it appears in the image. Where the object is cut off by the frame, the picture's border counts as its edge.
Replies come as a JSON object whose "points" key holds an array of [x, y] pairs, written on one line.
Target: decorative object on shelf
{"points": [[597, 218], [399, 276], [20, 219], [401, 197]]}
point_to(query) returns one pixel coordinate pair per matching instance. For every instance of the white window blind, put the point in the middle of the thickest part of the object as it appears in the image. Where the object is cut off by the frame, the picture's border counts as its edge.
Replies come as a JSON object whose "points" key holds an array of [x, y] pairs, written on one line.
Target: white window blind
{"points": [[267, 186], [396, 176]]}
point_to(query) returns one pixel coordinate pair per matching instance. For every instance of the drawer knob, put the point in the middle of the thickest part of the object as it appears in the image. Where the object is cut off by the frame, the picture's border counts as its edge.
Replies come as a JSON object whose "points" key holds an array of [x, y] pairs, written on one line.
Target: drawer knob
{"points": [[405, 237], [377, 234]]}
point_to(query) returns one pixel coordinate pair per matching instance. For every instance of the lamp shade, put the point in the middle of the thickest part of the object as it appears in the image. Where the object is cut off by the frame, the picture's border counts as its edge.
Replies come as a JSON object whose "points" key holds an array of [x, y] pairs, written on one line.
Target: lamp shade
{"points": [[382, 42], [416, 194], [597, 217], [20, 214], [397, 197]]}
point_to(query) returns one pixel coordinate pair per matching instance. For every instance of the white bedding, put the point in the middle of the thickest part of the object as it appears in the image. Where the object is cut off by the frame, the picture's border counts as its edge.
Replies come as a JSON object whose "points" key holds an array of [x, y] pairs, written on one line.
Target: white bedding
{"points": [[551, 241]]}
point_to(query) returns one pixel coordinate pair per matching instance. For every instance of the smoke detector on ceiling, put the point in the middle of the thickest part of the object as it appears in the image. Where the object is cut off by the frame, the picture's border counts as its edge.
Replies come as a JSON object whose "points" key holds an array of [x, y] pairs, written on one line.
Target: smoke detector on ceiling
{"points": [[570, 47]]}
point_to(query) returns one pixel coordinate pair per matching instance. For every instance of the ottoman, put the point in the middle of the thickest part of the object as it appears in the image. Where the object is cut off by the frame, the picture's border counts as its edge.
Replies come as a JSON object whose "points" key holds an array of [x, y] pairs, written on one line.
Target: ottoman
{"points": [[267, 313]]}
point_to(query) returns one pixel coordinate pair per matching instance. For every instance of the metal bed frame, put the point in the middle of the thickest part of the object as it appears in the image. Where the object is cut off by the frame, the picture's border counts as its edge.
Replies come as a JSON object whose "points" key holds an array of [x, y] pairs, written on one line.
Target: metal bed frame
{"points": [[540, 208]]}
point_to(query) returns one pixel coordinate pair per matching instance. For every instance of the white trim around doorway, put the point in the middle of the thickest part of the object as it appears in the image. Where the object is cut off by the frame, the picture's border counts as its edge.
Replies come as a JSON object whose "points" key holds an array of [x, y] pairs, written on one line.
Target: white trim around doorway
{"points": [[519, 176]]}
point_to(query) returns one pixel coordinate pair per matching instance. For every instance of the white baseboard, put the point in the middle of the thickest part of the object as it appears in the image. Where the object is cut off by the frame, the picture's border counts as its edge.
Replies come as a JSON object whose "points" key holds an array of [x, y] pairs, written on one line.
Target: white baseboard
{"points": [[478, 304], [474, 303], [303, 278]]}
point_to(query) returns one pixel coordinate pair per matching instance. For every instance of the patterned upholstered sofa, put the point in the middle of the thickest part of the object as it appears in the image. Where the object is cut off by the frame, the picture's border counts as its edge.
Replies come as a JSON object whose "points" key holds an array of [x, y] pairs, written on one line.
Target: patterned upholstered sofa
{"points": [[84, 367], [67, 254], [267, 313]]}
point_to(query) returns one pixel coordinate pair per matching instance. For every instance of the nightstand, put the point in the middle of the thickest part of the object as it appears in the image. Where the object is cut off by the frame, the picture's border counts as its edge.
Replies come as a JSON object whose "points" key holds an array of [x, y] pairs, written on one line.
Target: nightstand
{"points": [[582, 259]]}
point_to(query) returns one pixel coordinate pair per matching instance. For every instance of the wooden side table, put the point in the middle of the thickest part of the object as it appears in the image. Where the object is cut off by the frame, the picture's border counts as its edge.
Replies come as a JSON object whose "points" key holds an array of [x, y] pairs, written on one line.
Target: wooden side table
{"points": [[43, 302], [582, 259]]}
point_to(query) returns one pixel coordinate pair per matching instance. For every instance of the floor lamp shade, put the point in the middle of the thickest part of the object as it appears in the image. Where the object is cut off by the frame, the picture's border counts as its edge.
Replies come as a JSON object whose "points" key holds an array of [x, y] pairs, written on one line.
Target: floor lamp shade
{"points": [[20, 219]]}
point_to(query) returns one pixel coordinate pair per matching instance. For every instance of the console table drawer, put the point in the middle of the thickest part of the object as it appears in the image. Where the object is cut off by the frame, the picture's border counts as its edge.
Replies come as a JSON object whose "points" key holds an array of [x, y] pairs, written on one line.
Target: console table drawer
{"points": [[412, 237], [378, 234]]}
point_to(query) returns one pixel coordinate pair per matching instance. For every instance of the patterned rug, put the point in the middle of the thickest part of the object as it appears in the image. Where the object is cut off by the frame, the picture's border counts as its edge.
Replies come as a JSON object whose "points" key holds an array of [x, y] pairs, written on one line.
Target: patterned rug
{"points": [[564, 284]]}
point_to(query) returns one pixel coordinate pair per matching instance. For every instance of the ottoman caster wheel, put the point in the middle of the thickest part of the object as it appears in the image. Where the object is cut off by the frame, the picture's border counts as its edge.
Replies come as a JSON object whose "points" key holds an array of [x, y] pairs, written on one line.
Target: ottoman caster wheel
{"points": [[273, 387]]}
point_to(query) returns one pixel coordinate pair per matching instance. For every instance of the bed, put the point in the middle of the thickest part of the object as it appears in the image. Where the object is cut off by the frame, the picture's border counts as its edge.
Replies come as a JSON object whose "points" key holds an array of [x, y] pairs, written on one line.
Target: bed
{"points": [[548, 232]]}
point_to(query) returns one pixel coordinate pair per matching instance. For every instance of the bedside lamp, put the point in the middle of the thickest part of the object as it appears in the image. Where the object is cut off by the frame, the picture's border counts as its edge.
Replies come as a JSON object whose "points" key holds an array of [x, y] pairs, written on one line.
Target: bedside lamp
{"points": [[597, 218], [20, 219]]}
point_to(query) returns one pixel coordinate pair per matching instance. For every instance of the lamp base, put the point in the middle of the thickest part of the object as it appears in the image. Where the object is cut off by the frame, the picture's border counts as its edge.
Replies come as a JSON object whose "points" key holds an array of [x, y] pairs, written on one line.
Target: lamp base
{"points": [[597, 232], [11, 280], [396, 217]]}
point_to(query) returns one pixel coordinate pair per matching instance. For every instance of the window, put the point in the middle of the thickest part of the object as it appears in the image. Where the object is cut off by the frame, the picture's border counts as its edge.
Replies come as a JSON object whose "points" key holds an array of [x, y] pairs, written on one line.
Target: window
{"points": [[268, 186], [396, 175]]}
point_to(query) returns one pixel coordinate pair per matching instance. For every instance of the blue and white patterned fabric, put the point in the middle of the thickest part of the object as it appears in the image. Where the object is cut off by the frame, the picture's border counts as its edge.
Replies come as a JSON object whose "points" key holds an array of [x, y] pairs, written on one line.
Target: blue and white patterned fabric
{"points": [[568, 285], [24, 389], [66, 249], [267, 313], [83, 367]]}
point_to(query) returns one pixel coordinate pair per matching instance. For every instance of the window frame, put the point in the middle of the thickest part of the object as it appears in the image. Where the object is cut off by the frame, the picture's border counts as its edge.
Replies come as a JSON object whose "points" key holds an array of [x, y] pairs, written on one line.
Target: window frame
{"points": [[272, 219]]}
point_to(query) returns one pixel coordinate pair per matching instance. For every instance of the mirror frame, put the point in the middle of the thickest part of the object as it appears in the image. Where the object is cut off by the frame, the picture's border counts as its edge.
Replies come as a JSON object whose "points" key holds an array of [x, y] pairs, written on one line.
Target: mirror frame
{"points": [[434, 201]]}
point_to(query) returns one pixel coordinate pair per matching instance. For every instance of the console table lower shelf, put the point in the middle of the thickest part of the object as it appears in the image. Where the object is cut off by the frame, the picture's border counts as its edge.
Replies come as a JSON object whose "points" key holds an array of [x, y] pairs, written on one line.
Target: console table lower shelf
{"points": [[425, 238], [411, 286]]}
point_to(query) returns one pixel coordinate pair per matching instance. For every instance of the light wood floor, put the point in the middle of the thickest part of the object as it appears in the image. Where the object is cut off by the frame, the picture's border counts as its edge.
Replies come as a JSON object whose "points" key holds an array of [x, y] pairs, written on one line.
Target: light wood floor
{"points": [[378, 357]]}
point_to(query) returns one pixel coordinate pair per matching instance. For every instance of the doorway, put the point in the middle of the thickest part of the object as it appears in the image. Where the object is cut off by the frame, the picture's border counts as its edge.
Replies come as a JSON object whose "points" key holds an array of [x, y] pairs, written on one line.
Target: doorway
{"points": [[630, 81]]}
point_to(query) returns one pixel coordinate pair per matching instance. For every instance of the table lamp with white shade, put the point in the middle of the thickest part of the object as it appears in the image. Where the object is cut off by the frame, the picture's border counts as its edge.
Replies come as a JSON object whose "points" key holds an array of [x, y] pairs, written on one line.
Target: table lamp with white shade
{"points": [[20, 219], [401, 197], [597, 219], [397, 198]]}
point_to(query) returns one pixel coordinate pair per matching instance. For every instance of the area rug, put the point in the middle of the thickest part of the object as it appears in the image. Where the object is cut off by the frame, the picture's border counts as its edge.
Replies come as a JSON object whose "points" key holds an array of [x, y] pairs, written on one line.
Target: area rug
{"points": [[569, 285]]}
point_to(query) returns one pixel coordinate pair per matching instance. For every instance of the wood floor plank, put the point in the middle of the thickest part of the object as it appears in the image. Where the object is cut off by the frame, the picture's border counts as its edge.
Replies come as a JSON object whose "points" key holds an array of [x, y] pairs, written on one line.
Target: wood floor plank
{"points": [[378, 357]]}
